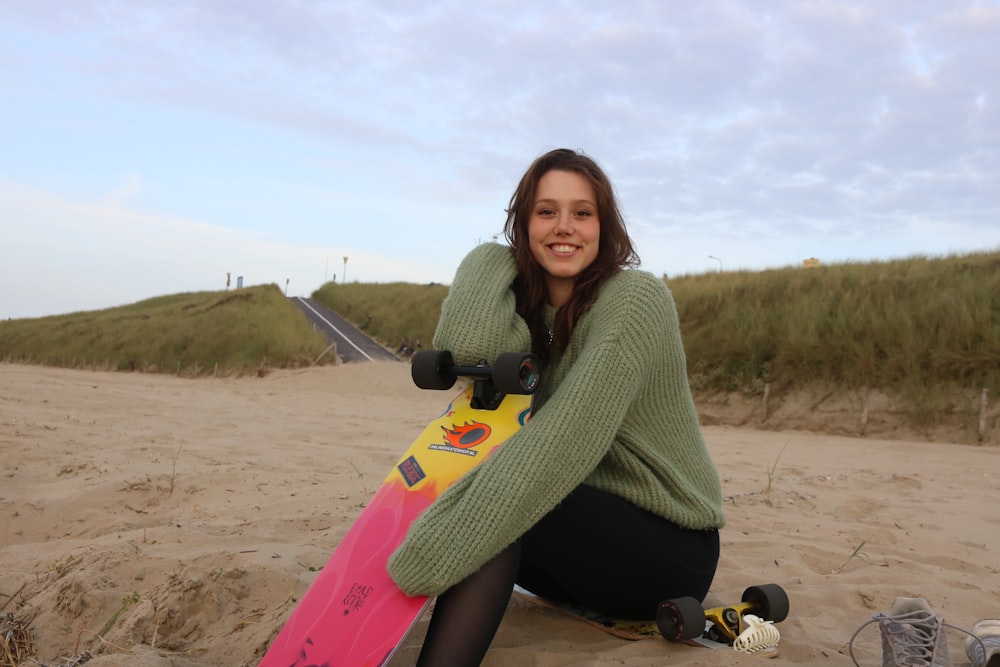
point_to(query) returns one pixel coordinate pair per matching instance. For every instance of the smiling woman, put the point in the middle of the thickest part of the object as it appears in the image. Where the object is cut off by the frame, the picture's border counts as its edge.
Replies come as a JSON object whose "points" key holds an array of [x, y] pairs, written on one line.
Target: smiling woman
{"points": [[607, 498]]}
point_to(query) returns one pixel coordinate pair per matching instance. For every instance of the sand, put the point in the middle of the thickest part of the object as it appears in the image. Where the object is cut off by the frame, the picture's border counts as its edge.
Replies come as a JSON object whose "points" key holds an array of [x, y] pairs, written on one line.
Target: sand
{"points": [[187, 516]]}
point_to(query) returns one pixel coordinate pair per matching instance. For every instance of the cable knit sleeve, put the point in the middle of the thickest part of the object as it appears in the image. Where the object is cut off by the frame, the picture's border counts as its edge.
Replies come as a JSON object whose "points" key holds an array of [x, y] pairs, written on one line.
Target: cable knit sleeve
{"points": [[494, 504], [478, 318]]}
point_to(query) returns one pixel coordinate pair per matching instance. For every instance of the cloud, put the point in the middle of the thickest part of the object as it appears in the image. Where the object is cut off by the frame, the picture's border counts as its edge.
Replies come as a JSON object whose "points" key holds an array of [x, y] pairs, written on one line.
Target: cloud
{"points": [[757, 132]]}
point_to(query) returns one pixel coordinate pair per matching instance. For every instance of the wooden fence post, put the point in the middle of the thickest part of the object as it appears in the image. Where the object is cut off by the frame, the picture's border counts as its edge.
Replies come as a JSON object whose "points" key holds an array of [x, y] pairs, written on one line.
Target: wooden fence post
{"points": [[983, 400], [767, 394], [863, 422]]}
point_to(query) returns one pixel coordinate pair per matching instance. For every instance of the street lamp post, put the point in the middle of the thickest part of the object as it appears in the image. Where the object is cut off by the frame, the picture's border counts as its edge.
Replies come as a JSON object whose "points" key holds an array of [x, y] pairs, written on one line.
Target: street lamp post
{"points": [[345, 270], [717, 260]]}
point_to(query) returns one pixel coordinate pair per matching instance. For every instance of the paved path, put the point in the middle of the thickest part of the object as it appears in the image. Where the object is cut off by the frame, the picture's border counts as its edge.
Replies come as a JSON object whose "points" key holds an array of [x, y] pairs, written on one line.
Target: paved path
{"points": [[352, 343]]}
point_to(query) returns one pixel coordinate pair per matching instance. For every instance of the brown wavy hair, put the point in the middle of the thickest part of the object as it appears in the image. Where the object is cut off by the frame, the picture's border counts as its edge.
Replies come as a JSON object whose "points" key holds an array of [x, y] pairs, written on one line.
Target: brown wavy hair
{"points": [[615, 250]]}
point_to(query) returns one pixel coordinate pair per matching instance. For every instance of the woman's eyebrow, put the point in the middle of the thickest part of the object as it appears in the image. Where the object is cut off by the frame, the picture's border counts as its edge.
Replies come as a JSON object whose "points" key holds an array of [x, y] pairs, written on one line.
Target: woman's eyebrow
{"points": [[556, 201]]}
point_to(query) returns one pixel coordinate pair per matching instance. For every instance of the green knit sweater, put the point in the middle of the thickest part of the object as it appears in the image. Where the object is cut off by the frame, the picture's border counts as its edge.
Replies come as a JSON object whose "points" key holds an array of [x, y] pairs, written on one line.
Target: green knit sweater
{"points": [[614, 410]]}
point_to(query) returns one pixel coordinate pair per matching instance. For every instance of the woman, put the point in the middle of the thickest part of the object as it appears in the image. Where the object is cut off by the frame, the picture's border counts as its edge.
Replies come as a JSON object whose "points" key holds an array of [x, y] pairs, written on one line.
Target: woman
{"points": [[607, 498]]}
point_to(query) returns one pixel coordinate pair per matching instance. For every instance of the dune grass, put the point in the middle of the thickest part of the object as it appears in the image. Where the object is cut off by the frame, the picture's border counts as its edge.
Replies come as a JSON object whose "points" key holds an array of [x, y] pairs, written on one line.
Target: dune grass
{"points": [[190, 333], [910, 326]]}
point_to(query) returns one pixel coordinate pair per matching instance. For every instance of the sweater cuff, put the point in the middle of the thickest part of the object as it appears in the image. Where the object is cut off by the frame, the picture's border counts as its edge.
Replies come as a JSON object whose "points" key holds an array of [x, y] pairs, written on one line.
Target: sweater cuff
{"points": [[412, 573]]}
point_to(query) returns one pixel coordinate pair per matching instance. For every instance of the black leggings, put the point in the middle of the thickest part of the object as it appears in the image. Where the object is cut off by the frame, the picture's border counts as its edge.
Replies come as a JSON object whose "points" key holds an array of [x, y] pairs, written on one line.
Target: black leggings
{"points": [[596, 550]]}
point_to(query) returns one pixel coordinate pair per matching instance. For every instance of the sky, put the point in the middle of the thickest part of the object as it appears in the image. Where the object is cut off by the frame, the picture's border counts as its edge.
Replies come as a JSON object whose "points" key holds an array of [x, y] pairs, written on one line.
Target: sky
{"points": [[150, 147]]}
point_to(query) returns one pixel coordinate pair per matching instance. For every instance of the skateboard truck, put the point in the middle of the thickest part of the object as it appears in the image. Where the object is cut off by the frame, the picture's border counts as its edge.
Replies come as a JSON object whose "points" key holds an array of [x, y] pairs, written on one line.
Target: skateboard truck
{"points": [[683, 619], [511, 373]]}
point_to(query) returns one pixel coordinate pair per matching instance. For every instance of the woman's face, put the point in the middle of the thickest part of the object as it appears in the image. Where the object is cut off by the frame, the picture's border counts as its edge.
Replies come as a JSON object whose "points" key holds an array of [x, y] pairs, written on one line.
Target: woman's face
{"points": [[564, 230]]}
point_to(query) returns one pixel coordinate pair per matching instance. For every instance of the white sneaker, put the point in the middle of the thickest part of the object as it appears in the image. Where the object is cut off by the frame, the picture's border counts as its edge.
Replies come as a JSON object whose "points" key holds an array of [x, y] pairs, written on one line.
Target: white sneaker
{"points": [[984, 648]]}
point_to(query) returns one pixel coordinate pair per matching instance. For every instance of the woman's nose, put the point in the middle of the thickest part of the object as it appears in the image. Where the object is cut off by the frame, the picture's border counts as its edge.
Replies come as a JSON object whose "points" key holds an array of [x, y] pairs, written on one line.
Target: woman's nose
{"points": [[564, 223]]}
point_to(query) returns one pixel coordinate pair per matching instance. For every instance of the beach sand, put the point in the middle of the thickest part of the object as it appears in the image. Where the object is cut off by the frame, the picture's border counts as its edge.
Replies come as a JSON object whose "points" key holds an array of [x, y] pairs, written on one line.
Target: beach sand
{"points": [[187, 516]]}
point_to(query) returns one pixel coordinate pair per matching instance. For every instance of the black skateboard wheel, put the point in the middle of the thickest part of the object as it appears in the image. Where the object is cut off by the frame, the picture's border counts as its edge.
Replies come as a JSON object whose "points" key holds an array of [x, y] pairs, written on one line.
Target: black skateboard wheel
{"points": [[516, 373], [680, 619], [430, 369], [770, 601]]}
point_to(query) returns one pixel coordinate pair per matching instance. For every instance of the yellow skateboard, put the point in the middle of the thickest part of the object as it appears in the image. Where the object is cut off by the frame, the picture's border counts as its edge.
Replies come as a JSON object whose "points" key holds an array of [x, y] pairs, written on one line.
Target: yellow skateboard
{"points": [[353, 615]]}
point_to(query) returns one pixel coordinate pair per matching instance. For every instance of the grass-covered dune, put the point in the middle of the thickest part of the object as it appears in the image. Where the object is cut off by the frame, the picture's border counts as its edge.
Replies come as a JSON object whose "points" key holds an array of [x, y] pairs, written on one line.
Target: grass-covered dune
{"points": [[190, 334], [917, 340], [908, 325]]}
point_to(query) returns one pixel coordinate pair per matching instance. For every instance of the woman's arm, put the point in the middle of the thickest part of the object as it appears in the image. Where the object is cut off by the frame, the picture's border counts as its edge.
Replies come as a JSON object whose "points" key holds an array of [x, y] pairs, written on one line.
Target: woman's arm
{"points": [[478, 317]]}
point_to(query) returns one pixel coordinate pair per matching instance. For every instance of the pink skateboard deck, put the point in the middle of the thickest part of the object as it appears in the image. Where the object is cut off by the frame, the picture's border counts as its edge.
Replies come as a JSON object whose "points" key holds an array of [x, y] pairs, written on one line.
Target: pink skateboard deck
{"points": [[353, 615]]}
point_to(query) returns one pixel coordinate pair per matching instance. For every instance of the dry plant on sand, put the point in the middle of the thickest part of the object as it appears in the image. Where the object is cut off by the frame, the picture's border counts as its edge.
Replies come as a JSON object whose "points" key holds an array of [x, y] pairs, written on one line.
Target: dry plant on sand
{"points": [[857, 553], [16, 642], [770, 478]]}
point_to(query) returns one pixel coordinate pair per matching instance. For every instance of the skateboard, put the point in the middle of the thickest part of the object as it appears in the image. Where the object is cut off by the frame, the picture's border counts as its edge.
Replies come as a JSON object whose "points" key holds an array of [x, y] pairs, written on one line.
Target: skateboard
{"points": [[684, 620], [353, 615]]}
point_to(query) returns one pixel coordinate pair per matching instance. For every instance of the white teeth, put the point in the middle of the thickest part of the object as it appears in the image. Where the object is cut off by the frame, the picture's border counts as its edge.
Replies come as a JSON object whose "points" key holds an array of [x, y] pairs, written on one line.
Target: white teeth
{"points": [[564, 248]]}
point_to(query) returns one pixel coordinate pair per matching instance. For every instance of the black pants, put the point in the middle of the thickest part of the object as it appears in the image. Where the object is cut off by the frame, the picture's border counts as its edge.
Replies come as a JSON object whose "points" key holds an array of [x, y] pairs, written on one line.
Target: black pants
{"points": [[604, 553], [594, 549]]}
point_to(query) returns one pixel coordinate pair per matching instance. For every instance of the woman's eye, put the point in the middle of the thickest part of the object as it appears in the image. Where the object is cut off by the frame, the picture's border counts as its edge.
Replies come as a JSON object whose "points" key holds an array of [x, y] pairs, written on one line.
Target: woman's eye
{"points": [[584, 213], [545, 211]]}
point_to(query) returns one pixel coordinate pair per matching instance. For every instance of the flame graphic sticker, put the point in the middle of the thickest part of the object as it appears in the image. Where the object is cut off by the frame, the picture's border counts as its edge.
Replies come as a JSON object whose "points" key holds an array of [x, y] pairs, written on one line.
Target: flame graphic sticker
{"points": [[467, 435]]}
